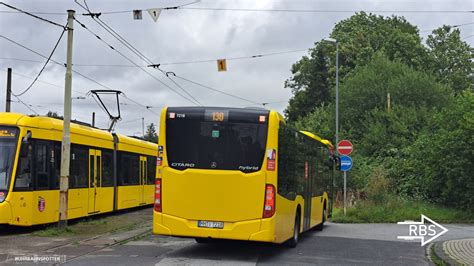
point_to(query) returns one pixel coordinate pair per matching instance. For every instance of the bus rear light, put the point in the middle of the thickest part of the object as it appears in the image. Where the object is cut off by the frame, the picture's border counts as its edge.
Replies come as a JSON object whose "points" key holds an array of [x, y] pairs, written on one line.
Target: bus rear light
{"points": [[157, 205], [269, 207]]}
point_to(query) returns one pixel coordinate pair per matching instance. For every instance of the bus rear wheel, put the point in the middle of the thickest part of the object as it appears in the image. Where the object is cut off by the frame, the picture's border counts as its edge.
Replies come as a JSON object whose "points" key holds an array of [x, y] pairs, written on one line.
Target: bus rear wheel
{"points": [[293, 242], [202, 240]]}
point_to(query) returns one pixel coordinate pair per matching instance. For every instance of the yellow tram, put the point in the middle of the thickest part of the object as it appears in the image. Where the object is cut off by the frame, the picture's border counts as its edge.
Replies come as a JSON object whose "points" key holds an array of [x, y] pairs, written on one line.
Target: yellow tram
{"points": [[108, 171]]}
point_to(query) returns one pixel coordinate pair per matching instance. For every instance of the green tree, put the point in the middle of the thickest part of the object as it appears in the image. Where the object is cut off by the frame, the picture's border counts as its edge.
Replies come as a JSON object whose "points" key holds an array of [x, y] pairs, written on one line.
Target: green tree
{"points": [[151, 134], [439, 165], [360, 37], [451, 58], [309, 84], [367, 89], [53, 114]]}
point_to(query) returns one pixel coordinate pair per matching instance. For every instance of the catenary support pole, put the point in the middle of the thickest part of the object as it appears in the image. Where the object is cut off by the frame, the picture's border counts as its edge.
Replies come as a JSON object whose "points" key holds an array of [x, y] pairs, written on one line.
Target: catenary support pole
{"points": [[66, 143], [9, 91]]}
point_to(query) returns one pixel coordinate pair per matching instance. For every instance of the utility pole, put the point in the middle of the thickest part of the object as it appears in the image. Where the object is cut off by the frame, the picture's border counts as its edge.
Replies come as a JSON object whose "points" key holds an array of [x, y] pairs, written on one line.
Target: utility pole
{"points": [[66, 143], [143, 126], [93, 119], [389, 106], [9, 91]]}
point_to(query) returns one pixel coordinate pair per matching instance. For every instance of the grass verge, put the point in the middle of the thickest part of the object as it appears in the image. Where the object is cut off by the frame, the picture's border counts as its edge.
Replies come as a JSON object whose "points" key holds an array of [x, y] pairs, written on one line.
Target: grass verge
{"points": [[394, 210], [101, 224]]}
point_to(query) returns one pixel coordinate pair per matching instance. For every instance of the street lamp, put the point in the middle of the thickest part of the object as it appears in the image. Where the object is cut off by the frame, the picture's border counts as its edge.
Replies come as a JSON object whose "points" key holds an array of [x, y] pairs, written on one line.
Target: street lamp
{"points": [[331, 40]]}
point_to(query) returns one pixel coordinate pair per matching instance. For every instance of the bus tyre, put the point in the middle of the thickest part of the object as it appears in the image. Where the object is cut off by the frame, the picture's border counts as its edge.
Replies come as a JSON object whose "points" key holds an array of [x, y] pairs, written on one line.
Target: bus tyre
{"points": [[202, 240], [296, 232], [320, 226]]}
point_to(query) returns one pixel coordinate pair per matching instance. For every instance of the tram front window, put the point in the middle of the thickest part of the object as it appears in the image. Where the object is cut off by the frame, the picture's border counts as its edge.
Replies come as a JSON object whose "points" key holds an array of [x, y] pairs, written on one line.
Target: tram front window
{"points": [[8, 142]]}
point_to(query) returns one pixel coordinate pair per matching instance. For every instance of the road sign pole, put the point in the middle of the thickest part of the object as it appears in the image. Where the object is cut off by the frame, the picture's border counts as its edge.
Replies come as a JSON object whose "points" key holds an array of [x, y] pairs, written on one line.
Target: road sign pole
{"points": [[345, 193]]}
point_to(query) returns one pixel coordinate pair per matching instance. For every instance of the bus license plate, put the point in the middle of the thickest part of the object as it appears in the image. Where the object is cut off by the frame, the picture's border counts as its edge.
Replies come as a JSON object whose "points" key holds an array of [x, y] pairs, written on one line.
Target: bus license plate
{"points": [[209, 224]]}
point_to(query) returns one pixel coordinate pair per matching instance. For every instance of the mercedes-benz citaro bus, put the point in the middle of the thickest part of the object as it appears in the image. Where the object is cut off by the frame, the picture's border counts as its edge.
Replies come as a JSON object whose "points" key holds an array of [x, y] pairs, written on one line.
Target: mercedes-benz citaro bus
{"points": [[238, 173]]}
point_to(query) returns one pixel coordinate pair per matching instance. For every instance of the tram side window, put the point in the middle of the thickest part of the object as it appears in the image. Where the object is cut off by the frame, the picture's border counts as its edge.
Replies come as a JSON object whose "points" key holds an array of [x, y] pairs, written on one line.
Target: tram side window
{"points": [[130, 169], [107, 169], [151, 171], [42, 163], [79, 167], [23, 175], [56, 161]]}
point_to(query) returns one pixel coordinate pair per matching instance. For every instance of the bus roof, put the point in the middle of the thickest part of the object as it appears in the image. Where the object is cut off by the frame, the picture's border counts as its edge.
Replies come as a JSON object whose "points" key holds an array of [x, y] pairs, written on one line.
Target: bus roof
{"points": [[316, 137]]}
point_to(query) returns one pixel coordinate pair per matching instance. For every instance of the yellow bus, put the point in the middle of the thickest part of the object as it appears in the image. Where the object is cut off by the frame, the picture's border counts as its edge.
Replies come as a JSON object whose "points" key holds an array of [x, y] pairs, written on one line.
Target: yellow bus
{"points": [[108, 171], [237, 173]]}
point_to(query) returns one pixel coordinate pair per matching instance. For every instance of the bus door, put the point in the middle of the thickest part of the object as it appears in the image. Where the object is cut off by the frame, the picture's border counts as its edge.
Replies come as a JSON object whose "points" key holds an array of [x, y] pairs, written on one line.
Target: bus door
{"points": [[143, 174], [308, 165], [95, 176]]}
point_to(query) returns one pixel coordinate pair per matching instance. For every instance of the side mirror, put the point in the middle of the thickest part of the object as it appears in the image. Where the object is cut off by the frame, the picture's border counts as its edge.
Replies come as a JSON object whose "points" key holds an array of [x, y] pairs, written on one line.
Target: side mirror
{"points": [[24, 149]]}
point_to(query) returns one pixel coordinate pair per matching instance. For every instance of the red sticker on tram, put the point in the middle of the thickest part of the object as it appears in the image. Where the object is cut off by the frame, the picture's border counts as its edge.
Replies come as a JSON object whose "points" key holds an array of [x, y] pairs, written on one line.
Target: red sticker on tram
{"points": [[271, 158], [41, 204]]}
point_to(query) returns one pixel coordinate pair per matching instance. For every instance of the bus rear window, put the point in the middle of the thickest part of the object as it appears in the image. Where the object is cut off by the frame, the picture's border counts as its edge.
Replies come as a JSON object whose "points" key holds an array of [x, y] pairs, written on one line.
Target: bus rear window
{"points": [[216, 139]]}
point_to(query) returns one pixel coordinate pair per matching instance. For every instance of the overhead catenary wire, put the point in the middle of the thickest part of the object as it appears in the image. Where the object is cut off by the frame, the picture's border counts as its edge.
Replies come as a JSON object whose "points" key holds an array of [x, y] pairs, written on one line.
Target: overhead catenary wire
{"points": [[33, 15], [131, 61], [144, 58], [27, 106], [216, 90], [54, 61], [134, 50], [178, 62], [44, 66]]}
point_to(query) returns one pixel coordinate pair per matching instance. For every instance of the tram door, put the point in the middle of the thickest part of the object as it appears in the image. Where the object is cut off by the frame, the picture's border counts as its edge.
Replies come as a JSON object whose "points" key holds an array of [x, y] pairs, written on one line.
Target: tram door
{"points": [[95, 177], [143, 174]]}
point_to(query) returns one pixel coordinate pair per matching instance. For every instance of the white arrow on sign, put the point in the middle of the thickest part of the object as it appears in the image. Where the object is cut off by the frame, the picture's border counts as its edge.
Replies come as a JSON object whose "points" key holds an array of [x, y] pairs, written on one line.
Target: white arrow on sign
{"points": [[418, 230], [154, 13]]}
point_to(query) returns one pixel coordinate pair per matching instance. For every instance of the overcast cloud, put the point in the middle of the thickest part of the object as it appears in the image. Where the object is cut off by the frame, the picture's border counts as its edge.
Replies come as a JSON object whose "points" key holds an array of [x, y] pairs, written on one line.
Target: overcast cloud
{"points": [[183, 35]]}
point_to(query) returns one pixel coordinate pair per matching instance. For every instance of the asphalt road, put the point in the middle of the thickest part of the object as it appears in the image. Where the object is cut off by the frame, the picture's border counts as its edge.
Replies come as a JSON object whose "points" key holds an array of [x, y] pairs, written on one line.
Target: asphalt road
{"points": [[354, 244]]}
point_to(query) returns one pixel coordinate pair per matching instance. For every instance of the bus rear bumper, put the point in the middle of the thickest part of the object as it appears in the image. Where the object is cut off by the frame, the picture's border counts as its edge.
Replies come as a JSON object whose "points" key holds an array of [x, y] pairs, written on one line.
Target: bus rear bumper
{"points": [[254, 230], [5, 213]]}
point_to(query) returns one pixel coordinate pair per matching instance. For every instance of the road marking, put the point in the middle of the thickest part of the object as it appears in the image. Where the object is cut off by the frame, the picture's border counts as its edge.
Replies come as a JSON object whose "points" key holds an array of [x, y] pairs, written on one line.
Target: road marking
{"points": [[190, 261]]}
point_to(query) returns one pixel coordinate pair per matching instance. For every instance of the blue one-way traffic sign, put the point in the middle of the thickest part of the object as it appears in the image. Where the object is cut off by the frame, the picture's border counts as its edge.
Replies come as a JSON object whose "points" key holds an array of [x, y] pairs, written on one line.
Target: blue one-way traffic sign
{"points": [[346, 163]]}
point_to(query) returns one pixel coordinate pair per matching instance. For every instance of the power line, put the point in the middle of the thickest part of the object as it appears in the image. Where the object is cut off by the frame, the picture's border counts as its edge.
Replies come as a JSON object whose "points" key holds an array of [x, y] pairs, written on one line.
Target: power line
{"points": [[322, 10], [95, 17], [175, 63], [41, 81], [216, 90], [467, 37], [130, 60], [452, 26], [54, 61], [35, 16], [44, 66], [27, 106]]}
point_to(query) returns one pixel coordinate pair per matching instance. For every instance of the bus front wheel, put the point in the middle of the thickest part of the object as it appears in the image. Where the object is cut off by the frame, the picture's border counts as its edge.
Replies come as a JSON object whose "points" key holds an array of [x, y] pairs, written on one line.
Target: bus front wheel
{"points": [[320, 226]]}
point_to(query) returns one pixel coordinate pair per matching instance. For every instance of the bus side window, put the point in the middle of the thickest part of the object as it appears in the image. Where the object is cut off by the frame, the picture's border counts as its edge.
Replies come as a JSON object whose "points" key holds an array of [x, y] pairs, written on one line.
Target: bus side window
{"points": [[23, 174]]}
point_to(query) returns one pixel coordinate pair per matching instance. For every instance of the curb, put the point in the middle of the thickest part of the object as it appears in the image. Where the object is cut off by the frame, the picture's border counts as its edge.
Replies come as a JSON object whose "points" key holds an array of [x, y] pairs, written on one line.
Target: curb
{"points": [[440, 252]]}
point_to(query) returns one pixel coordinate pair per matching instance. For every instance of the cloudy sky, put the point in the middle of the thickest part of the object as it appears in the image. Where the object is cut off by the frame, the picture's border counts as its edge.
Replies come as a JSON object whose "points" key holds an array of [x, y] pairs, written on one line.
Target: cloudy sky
{"points": [[178, 36]]}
